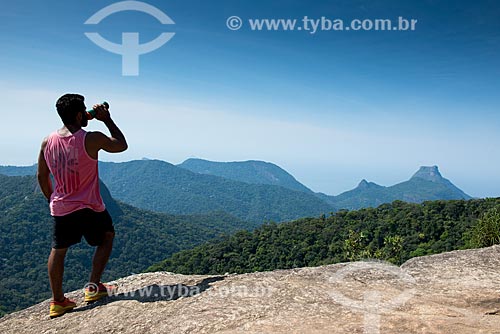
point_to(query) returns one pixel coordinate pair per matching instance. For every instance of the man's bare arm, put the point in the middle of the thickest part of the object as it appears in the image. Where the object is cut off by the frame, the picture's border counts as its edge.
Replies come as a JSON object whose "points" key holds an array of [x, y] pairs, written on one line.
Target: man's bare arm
{"points": [[117, 141], [43, 173], [98, 140]]}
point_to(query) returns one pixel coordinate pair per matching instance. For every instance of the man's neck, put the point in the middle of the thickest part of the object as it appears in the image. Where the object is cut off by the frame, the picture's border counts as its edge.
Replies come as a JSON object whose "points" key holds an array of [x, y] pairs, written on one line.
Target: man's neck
{"points": [[70, 128]]}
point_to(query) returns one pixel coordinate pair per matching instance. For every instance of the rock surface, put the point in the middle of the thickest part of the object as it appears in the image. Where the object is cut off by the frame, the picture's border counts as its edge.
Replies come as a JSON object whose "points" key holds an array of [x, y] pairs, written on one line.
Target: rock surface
{"points": [[456, 292], [429, 173]]}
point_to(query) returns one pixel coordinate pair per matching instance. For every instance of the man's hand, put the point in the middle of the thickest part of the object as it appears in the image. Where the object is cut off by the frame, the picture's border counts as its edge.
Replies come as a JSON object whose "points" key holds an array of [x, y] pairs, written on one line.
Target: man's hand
{"points": [[102, 113]]}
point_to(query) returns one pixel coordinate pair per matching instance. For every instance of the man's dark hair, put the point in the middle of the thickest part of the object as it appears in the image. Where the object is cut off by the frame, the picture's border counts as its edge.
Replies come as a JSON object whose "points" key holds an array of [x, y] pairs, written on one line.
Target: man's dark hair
{"points": [[68, 106]]}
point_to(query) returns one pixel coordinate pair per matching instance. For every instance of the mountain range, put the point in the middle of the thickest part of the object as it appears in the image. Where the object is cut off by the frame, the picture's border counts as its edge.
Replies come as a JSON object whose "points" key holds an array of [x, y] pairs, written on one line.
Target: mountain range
{"points": [[160, 186], [426, 184], [254, 191]]}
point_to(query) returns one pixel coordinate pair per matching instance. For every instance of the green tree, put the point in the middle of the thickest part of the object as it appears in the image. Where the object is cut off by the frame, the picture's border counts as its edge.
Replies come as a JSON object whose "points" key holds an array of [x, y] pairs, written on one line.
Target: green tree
{"points": [[487, 230], [393, 247], [355, 246]]}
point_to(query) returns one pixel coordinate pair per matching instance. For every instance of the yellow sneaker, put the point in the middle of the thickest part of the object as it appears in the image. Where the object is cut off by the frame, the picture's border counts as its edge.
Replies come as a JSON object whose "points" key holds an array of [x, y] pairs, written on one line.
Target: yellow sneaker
{"points": [[59, 308], [94, 292]]}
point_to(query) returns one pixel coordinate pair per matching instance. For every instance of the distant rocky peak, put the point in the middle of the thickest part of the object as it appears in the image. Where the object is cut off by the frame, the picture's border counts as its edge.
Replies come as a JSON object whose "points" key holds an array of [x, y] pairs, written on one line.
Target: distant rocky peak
{"points": [[429, 173], [363, 184], [366, 185]]}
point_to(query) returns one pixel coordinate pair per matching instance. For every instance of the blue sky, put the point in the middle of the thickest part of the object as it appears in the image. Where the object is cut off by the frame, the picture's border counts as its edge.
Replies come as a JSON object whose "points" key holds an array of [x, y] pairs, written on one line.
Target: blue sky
{"points": [[331, 108]]}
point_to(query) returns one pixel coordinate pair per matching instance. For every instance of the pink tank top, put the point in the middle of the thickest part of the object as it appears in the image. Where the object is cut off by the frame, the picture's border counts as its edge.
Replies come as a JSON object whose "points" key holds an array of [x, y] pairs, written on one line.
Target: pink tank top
{"points": [[75, 173]]}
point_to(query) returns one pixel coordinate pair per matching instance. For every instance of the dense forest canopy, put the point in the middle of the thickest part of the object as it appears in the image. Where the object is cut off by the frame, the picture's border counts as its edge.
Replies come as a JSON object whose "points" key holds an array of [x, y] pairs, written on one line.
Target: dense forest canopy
{"points": [[395, 232]]}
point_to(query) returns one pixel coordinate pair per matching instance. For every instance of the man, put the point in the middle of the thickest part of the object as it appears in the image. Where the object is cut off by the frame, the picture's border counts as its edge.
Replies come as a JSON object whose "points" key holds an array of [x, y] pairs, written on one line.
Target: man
{"points": [[70, 154]]}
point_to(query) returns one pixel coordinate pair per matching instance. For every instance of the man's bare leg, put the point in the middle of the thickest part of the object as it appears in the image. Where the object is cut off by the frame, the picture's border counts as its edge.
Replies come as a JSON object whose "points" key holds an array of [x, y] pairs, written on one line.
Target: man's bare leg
{"points": [[101, 257], [56, 271]]}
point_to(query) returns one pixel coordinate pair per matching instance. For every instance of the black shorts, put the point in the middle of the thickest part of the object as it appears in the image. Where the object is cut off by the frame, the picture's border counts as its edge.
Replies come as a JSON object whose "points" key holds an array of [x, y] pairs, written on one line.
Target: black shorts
{"points": [[68, 230]]}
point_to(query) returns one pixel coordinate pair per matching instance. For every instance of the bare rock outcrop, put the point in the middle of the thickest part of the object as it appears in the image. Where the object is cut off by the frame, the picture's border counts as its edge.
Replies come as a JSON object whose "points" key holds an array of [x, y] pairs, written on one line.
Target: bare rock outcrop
{"points": [[455, 292]]}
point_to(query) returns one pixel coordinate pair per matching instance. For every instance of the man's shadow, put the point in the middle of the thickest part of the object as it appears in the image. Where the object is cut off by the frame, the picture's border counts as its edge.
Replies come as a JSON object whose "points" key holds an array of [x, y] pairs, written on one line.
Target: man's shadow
{"points": [[154, 293]]}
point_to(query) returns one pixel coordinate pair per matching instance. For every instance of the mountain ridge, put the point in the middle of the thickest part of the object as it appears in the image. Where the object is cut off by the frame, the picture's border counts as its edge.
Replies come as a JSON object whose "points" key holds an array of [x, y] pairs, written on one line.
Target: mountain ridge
{"points": [[249, 171], [426, 184], [160, 186], [363, 184], [163, 187]]}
